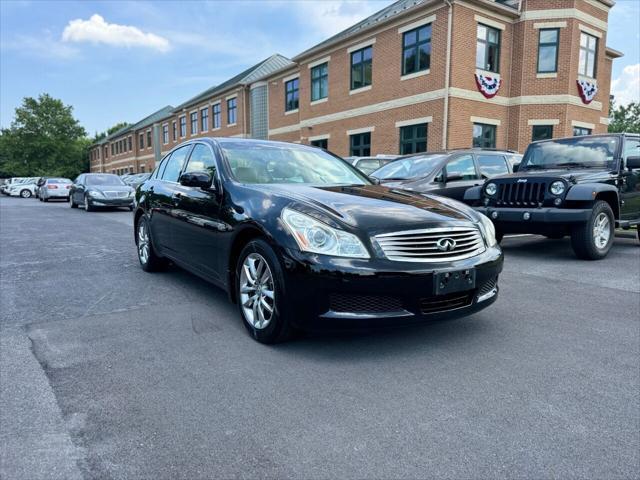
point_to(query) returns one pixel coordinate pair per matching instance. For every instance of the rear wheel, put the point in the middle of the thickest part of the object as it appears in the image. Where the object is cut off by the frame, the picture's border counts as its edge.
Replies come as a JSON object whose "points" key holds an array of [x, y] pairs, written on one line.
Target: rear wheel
{"points": [[44, 199], [593, 240], [260, 291], [150, 261], [25, 193]]}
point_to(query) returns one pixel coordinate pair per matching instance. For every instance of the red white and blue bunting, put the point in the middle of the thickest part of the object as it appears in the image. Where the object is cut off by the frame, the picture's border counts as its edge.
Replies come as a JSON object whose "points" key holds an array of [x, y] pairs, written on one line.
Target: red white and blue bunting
{"points": [[487, 85], [587, 90]]}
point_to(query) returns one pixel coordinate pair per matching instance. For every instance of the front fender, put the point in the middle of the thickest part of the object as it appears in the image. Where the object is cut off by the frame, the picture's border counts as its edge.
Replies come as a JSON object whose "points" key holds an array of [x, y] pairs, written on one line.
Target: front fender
{"points": [[589, 191], [473, 194]]}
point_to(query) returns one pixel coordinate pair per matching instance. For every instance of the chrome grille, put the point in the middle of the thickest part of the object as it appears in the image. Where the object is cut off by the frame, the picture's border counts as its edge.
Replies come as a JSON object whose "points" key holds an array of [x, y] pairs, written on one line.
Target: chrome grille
{"points": [[422, 245], [116, 194]]}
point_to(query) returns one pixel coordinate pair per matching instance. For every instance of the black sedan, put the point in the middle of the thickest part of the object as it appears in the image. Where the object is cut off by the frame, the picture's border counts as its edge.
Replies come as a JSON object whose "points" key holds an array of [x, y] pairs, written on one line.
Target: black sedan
{"points": [[448, 173], [95, 190], [300, 239]]}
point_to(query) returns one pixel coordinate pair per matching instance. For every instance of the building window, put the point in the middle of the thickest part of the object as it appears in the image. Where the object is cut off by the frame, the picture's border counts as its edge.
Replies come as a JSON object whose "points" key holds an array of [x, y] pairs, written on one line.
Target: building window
{"points": [[588, 51], [204, 119], [548, 39], [416, 50], [112, 150], [165, 134], [216, 115], [175, 131], [541, 132], [360, 144], [291, 91], [130, 143], [183, 127], [484, 136], [141, 141], [193, 118], [232, 107], [106, 152], [488, 49], [149, 139], [322, 143], [578, 131], [361, 61], [413, 139], [118, 147], [320, 82]]}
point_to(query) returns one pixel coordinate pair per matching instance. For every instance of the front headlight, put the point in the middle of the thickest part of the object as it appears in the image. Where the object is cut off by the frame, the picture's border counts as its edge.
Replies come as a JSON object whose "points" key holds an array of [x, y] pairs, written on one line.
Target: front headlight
{"points": [[95, 193], [491, 189], [488, 231], [317, 237], [557, 187]]}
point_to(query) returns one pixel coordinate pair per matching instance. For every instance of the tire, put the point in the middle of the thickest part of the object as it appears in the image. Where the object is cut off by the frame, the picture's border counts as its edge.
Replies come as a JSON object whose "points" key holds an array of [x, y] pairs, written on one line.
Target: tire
{"points": [[72, 204], [499, 236], [44, 199], [25, 193], [264, 326], [87, 205], [149, 260], [588, 240]]}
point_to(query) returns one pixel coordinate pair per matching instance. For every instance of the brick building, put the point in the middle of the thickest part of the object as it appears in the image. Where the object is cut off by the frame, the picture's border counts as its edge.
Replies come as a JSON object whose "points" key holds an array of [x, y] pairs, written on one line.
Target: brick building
{"points": [[417, 75]]}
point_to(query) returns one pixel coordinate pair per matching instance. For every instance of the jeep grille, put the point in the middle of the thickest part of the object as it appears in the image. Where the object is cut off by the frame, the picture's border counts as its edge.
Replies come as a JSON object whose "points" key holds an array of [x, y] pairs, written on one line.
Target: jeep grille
{"points": [[521, 194]]}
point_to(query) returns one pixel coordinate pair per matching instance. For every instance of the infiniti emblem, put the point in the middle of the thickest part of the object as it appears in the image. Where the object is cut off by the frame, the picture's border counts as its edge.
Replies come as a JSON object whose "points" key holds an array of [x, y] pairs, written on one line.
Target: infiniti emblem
{"points": [[446, 244]]}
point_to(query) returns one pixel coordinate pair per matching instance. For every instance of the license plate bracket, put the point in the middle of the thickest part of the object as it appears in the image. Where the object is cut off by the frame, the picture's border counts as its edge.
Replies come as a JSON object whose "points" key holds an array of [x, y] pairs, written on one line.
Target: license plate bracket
{"points": [[454, 281]]}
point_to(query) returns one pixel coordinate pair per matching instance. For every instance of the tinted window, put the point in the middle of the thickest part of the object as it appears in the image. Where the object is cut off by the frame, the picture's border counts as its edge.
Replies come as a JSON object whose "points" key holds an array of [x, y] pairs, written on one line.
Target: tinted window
{"points": [[492, 165], [58, 180], [462, 168], [201, 160], [281, 163], [414, 167], [631, 148], [174, 164], [106, 179]]}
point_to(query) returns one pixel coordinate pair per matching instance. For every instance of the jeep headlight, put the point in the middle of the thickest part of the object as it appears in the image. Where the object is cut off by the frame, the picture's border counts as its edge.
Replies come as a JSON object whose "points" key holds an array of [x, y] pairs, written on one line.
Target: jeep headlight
{"points": [[317, 237], [491, 189], [557, 187], [488, 231]]}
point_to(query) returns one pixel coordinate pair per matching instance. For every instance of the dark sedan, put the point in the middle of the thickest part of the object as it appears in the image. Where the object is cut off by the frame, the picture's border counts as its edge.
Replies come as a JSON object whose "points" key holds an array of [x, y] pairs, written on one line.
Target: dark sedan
{"points": [[446, 173], [301, 239], [95, 190]]}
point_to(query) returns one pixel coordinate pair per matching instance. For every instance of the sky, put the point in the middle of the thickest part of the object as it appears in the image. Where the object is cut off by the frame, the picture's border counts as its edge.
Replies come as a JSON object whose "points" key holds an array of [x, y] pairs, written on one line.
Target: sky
{"points": [[117, 61]]}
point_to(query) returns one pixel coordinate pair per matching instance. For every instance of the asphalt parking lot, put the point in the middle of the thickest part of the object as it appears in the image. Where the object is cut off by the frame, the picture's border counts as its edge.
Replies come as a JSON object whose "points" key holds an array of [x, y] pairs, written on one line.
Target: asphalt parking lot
{"points": [[110, 372]]}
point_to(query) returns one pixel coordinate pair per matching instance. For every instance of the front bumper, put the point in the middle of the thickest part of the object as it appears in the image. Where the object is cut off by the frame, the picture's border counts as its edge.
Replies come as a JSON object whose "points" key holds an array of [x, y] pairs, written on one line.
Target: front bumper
{"points": [[338, 293], [512, 220], [111, 202]]}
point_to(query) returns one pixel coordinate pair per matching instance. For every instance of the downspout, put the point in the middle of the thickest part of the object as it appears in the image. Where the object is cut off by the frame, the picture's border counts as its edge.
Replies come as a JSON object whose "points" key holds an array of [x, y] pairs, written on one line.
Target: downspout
{"points": [[245, 104], [447, 75]]}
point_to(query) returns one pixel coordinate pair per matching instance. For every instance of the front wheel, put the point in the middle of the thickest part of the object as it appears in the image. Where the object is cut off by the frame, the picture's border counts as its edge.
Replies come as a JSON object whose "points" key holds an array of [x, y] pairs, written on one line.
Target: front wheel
{"points": [[260, 291], [593, 240], [150, 261], [87, 204], [72, 204], [25, 193]]}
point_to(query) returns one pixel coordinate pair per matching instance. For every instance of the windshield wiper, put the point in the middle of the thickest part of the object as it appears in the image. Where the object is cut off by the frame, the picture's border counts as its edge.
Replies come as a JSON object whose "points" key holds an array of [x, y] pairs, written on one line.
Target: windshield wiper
{"points": [[393, 179], [573, 165], [533, 167]]}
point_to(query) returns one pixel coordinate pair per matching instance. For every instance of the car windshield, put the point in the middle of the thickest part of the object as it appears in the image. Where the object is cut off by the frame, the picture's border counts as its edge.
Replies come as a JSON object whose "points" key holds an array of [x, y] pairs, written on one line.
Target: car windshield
{"points": [[58, 180], [413, 167], [108, 180], [280, 163], [587, 152]]}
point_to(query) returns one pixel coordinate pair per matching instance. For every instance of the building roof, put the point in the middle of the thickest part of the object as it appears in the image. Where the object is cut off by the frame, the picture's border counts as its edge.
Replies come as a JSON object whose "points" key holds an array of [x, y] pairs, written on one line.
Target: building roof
{"points": [[390, 12], [273, 63], [164, 112]]}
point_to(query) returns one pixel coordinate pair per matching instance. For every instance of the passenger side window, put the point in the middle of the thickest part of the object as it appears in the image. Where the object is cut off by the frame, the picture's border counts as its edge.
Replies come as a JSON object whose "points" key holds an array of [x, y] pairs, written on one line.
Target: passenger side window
{"points": [[174, 164], [631, 148], [492, 165], [156, 173], [202, 160], [462, 168]]}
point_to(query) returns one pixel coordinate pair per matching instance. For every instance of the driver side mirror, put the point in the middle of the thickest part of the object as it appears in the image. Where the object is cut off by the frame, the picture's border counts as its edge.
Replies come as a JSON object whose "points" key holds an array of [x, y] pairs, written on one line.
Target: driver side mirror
{"points": [[202, 180], [374, 180], [633, 162], [516, 167]]}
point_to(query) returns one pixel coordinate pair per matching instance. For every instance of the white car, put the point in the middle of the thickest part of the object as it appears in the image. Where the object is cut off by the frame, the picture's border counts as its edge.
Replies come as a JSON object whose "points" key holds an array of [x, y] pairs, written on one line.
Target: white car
{"points": [[54, 188], [9, 182], [24, 189]]}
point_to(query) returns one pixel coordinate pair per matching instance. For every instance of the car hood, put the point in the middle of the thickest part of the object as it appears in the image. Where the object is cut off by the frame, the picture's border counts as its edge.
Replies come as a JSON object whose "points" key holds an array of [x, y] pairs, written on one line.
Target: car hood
{"points": [[371, 207], [572, 175]]}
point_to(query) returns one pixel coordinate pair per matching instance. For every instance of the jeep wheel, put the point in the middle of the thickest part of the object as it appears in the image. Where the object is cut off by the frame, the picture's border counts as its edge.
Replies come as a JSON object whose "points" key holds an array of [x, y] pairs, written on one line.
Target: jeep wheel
{"points": [[593, 240]]}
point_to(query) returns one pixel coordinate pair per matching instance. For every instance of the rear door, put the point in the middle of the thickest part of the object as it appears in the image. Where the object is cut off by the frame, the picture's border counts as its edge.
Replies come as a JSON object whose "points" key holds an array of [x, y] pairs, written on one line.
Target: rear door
{"points": [[163, 201], [459, 174], [630, 190], [198, 227]]}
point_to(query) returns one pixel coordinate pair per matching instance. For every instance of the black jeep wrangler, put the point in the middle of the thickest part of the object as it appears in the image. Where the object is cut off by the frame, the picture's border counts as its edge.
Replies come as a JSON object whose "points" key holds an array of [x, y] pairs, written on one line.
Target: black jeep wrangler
{"points": [[584, 187]]}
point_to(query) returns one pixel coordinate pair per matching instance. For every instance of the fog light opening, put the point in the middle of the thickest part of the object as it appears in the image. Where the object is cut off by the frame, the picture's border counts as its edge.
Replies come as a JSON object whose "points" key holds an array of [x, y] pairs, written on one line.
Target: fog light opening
{"points": [[526, 215], [557, 201], [494, 215]]}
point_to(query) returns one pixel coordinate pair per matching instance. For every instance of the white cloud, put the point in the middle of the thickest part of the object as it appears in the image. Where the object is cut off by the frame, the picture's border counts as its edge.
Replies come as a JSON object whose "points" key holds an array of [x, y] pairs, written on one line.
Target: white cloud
{"points": [[41, 46], [626, 88], [97, 30], [332, 16]]}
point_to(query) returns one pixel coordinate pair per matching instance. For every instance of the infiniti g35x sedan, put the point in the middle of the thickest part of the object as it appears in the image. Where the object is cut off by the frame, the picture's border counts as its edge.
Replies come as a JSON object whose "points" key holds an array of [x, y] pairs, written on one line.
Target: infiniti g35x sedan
{"points": [[300, 239]]}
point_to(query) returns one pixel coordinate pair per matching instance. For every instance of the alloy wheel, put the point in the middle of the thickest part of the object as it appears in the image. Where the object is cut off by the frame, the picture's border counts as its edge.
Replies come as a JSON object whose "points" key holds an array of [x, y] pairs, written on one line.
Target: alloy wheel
{"points": [[257, 294], [25, 194], [601, 230], [86, 203], [143, 242]]}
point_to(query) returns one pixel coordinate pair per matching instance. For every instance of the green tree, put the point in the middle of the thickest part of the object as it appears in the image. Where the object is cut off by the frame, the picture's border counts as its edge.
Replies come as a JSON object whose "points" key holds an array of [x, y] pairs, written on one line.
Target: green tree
{"points": [[43, 139], [625, 118]]}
